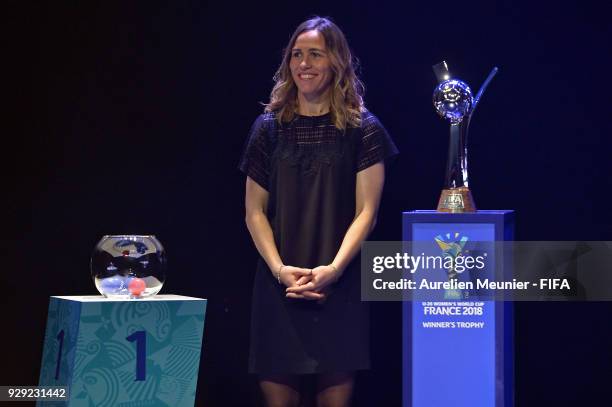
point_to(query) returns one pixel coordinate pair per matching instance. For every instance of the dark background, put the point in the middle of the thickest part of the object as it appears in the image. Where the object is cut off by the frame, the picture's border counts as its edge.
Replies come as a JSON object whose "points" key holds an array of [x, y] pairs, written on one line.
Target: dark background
{"points": [[130, 117]]}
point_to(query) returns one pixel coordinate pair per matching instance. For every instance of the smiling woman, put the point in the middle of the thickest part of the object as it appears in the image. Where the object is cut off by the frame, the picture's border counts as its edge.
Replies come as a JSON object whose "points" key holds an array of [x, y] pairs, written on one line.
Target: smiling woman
{"points": [[317, 74], [311, 71], [315, 170]]}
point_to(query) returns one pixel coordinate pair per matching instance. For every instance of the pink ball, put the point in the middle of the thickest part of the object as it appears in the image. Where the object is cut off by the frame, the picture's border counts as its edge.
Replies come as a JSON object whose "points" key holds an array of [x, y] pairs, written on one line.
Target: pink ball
{"points": [[137, 286]]}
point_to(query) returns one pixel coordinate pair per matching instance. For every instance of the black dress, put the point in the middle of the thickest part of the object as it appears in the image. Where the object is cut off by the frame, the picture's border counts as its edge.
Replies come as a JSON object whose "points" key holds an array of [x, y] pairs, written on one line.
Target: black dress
{"points": [[309, 168]]}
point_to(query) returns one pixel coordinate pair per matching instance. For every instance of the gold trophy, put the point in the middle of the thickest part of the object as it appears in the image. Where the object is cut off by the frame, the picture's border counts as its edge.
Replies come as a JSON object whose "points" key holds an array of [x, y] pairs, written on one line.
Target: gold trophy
{"points": [[453, 100]]}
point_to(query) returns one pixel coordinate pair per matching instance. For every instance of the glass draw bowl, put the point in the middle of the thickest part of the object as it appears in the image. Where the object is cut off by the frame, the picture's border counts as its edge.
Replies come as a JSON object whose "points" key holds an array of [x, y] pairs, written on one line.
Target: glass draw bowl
{"points": [[128, 266]]}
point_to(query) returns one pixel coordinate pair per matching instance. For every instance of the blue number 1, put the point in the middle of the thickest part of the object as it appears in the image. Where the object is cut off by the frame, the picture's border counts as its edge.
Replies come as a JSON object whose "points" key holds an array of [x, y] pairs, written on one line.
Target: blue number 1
{"points": [[141, 353], [60, 338]]}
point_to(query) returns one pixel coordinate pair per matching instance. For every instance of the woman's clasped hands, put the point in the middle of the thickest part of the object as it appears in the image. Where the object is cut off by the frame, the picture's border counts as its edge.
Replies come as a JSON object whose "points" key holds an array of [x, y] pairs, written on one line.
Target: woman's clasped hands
{"points": [[308, 284]]}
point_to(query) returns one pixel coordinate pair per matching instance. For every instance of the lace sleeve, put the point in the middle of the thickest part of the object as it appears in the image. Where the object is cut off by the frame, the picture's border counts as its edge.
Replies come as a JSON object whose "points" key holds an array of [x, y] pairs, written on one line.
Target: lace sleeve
{"points": [[255, 161], [376, 145]]}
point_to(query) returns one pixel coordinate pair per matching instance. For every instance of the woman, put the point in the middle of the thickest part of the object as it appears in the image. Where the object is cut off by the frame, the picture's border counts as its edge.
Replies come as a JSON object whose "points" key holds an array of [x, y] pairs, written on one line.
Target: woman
{"points": [[315, 173]]}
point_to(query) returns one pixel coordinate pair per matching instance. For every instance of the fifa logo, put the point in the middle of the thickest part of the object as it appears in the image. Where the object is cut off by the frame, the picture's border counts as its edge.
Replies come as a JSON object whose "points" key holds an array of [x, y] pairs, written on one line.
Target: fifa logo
{"points": [[453, 201]]}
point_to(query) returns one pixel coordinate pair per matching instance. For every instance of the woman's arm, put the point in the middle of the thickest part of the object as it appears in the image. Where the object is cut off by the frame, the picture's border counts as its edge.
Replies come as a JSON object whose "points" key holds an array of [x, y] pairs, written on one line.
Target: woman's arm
{"points": [[256, 206], [368, 189]]}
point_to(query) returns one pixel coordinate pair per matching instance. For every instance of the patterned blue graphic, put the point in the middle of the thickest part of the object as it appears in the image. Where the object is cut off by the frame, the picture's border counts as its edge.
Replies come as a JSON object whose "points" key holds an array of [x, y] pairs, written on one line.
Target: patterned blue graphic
{"points": [[104, 368]]}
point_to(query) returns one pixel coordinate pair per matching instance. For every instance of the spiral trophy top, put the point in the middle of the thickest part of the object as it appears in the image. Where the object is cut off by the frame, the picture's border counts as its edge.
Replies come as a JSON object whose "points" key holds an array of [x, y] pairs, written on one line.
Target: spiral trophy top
{"points": [[453, 100]]}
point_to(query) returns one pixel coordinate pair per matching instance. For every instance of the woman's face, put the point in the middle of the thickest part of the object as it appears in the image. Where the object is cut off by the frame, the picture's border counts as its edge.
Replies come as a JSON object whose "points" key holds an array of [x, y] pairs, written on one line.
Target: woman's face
{"points": [[310, 65]]}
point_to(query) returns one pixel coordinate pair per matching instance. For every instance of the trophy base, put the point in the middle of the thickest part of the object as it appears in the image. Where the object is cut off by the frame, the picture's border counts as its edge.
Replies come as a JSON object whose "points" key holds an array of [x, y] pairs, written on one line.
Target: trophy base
{"points": [[456, 200]]}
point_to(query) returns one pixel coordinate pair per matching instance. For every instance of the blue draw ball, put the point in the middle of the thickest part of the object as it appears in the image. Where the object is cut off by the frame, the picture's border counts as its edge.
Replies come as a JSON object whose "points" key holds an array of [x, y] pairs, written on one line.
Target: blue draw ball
{"points": [[113, 285]]}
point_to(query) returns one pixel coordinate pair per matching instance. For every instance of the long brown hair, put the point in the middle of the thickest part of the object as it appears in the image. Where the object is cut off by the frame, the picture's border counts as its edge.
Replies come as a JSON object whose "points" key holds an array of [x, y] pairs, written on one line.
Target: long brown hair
{"points": [[346, 96]]}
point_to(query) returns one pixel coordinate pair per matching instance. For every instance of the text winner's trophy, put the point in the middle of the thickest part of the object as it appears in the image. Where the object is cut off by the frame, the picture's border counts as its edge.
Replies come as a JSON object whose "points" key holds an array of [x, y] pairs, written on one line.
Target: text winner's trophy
{"points": [[453, 100]]}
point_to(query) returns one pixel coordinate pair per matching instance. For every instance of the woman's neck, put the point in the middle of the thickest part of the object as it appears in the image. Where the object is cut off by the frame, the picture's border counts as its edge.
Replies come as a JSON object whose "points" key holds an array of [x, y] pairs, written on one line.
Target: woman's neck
{"points": [[313, 107]]}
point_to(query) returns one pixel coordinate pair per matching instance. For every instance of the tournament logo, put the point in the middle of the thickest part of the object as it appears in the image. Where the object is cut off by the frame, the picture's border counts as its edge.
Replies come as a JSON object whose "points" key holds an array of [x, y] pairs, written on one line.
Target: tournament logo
{"points": [[452, 245]]}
